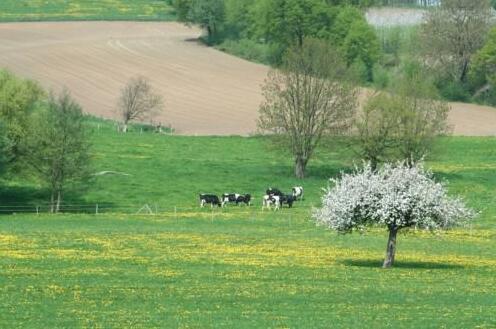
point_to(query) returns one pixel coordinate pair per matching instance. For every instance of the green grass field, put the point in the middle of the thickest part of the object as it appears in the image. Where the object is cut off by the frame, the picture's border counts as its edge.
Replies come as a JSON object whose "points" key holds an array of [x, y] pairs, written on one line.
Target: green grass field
{"points": [[62, 10], [238, 267]]}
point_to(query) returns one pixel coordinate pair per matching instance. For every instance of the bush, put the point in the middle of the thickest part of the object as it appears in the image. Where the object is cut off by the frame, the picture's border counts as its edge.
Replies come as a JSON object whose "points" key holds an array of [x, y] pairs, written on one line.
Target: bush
{"points": [[453, 91], [380, 77], [248, 49]]}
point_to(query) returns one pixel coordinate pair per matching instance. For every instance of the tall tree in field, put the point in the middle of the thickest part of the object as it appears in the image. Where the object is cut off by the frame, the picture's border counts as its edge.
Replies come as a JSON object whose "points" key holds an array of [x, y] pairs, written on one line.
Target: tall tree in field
{"points": [[453, 32], [18, 100], [58, 145], [375, 127], [138, 101], [306, 99], [399, 197], [403, 122], [422, 116]]}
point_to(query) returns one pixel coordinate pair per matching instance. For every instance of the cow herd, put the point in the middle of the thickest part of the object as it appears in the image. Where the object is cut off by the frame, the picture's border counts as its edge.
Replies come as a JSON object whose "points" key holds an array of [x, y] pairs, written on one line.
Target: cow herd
{"points": [[273, 198]]}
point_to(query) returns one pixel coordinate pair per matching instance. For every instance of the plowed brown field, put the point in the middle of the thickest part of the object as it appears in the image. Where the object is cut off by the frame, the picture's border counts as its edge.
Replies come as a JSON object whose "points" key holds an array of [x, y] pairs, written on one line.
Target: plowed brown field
{"points": [[206, 91]]}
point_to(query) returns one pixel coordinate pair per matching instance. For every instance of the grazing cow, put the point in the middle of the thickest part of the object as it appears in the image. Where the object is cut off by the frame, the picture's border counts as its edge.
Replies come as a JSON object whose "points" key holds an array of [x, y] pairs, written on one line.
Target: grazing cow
{"points": [[298, 193], [229, 197], [287, 199], [246, 199], [209, 199], [273, 191], [269, 200]]}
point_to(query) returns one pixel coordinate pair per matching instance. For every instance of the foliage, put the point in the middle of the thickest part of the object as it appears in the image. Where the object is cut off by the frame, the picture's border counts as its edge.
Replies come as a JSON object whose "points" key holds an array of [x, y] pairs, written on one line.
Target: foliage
{"points": [[208, 14], [422, 116], [403, 122], [453, 33], [483, 70], [18, 100], [250, 50], [289, 22], [375, 128], [306, 99], [57, 146], [396, 196], [360, 44]]}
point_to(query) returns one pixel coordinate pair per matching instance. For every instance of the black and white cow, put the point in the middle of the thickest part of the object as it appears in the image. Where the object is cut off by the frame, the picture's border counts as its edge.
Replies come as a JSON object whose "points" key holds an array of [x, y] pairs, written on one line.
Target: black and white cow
{"points": [[229, 198], [273, 191], [236, 198], [211, 199], [287, 199], [271, 200], [246, 199], [298, 193]]}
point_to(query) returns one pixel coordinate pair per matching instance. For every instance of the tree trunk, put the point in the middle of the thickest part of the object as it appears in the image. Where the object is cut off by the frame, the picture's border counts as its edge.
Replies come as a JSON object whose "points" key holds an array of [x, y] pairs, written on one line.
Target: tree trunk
{"points": [[391, 248], [300, 167], [59, 199], [124, 127], [52, 202]]}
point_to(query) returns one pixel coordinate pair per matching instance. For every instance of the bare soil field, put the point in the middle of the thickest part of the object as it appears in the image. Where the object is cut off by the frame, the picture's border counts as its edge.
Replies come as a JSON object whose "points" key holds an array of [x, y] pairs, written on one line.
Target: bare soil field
{"points": [[207, 92]]}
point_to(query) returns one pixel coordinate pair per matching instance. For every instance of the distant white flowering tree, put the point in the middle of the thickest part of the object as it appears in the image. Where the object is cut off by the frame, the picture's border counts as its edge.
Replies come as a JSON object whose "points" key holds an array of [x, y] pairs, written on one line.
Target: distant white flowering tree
{"points": [[396, 196]]}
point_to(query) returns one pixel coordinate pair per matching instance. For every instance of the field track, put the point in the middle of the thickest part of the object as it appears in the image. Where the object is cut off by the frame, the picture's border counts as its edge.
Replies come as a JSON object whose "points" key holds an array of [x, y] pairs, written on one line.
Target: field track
{"points": [[207, 92]]}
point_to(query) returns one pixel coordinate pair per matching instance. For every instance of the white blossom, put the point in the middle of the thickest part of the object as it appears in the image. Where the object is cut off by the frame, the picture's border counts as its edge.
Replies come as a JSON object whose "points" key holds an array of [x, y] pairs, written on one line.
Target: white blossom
{"points": [[396, 196]]}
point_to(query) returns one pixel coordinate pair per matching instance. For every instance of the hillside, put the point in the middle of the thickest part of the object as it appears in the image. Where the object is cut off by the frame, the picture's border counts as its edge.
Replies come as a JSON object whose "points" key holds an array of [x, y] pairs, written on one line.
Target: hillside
{"points": [[61, 10], [237, 267], [207, 92]]}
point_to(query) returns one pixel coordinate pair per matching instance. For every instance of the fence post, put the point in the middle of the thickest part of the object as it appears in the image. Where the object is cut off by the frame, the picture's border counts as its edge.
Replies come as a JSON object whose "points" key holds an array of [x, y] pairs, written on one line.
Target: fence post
{"points": [[37, 210], [175, 213], [96, 209]]}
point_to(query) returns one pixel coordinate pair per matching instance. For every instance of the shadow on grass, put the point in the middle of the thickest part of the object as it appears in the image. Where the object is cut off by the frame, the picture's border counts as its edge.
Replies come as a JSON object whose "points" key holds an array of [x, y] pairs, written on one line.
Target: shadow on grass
{"points": [[374, 263], [27, 199]]}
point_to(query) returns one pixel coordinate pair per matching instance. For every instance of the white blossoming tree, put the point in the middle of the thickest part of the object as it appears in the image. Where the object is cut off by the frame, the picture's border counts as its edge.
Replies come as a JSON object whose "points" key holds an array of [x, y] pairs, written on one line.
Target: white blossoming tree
{"points": [[396, 196]]}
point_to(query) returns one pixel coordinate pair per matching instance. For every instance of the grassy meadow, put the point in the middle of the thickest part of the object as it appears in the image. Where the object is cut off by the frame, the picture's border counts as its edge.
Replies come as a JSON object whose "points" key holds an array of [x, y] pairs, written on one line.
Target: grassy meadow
{"points": [[62, 10], [238, 267]]}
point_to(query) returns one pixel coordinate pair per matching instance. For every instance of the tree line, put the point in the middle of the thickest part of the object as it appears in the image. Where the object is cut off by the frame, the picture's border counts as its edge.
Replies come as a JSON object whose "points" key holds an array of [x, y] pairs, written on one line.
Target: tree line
{"points": [[454, 41]]}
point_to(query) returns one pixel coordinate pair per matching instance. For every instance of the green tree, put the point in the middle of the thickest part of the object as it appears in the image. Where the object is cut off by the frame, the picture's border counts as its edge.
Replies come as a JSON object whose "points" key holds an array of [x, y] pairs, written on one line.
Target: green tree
{"points": [[306, 99], [182, 8], [18, 100], [344, 20], [238, 18], [209, 14], [453, 33], [402, 123], [58, 146], [375, 128], [483, 70], [422, 116], [289, 22]]}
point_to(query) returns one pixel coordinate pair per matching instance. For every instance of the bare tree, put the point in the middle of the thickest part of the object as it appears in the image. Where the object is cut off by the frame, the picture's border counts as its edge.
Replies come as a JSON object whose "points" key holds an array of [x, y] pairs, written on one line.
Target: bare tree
{"points": [[138, 101], [306, 99], [453, 32]]}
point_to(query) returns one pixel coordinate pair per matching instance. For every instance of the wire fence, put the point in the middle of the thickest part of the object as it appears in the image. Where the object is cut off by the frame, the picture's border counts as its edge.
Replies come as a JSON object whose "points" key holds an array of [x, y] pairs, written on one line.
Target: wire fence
{"points": [[137, 209]]}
